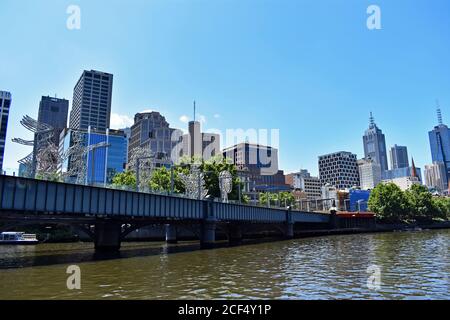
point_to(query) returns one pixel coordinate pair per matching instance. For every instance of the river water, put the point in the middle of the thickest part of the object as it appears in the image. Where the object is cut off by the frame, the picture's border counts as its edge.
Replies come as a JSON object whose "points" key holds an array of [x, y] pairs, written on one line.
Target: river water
{"points": [[411, 265]]}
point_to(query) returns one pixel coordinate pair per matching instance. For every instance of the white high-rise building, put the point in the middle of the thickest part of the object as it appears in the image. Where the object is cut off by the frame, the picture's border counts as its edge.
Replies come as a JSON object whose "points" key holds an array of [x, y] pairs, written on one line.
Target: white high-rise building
{"points": [[436, 176], [369, 173]]}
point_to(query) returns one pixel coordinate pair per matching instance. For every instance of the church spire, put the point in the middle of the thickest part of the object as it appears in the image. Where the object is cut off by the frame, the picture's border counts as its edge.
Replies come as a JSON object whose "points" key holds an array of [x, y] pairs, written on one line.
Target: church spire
{"points": [[413, 169]]}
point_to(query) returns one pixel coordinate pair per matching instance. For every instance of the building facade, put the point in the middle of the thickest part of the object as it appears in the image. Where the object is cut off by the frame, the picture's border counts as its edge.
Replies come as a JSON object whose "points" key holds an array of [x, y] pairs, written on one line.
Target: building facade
{"points": [[404, 183], [303, 181], [339, 169], [199, 144], [436, 177], [375, 145], [440, 144], [402, 172], [151, 130], [260, 164], [101, 164], [91, 105], [5, 104], [369, 173], [399, 157]]}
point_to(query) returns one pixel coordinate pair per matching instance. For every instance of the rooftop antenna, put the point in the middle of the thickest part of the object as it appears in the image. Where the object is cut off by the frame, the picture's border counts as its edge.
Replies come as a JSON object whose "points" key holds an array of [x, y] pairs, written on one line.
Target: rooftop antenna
{"points": [[194, 110], [371, 119], [439, 113]]}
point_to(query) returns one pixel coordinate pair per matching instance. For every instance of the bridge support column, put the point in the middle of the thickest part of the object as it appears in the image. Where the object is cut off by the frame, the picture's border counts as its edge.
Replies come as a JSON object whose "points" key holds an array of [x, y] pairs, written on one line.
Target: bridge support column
{"points": [[107, 236], [208, 234], [289, 224], [289, 230], [171, 233], [234, 234]]}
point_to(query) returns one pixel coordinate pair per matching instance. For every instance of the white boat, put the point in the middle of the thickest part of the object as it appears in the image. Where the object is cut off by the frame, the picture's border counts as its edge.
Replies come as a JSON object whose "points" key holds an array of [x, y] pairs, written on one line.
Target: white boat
{"points": [[20, 238]]}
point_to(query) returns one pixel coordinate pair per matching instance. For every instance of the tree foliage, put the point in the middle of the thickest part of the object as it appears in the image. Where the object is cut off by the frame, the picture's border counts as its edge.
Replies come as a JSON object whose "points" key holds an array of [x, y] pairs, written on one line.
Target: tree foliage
{"points": [[125, 179], [392, 204]]}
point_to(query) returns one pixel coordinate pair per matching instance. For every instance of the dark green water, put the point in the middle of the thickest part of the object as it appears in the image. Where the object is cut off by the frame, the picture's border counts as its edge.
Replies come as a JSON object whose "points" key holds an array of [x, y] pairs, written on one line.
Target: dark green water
{"points": [[413, 265]]}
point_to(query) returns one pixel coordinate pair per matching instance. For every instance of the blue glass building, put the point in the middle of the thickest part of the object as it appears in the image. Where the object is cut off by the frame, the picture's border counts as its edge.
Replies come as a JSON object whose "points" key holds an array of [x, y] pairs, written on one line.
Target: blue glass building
{"points": [[440, 144], [103, 163]]}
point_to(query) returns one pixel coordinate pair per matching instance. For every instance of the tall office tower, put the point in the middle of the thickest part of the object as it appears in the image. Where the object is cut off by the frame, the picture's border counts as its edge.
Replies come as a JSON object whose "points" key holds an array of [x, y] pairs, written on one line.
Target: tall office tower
{"points": [[375, 145], [52, 111], [91, 104], [200, 144], [339, 169], [399, 157], [436, 177], [369, 173], [440, 143], [151, 130], [5, 103]]}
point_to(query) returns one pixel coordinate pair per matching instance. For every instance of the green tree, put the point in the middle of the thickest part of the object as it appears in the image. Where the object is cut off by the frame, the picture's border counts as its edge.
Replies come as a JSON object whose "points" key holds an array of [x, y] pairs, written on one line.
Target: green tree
{"points": [[442, 205], [161, 179], [389, 202], [421, 205], [125, 179]]}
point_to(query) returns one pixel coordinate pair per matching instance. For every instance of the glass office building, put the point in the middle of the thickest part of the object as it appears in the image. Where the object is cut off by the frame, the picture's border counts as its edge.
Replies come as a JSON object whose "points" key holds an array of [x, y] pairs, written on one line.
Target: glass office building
{"points": [[103, 163], [440, 146]]}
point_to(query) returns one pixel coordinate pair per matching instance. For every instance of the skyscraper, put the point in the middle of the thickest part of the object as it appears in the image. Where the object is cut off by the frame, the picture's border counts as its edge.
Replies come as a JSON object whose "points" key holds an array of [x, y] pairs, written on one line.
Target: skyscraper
{"points": [[91, 104], [440, 143], [399, 157], [436, 177], [375, 145], [339, 169], [5, 103], [52, 111]]}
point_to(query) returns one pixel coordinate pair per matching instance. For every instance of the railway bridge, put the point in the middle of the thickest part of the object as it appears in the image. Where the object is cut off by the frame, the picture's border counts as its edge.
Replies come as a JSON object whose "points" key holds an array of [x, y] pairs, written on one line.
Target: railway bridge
{"points": [[108, 215]]}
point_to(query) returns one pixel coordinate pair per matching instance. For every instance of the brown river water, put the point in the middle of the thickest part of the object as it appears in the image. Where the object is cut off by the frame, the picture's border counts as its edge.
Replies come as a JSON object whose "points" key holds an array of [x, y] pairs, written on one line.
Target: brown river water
{"points": [[412, 265]]}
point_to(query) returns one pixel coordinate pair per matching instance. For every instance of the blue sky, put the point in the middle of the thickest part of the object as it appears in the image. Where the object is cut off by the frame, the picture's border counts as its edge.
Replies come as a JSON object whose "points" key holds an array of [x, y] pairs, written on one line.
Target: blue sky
{"points": [[311, 69]]}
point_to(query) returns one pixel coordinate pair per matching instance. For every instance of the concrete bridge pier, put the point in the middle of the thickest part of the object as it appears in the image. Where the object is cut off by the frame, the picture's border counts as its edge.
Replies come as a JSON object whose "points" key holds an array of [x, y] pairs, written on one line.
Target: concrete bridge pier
{"points": [[107, 236], [208, 234], [234, 234], [171, 233], [289, 230]]}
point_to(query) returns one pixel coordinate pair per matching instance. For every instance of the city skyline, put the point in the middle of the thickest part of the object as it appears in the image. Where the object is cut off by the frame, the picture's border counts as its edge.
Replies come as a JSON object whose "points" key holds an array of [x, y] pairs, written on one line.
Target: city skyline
{"points": [[165, 89]]}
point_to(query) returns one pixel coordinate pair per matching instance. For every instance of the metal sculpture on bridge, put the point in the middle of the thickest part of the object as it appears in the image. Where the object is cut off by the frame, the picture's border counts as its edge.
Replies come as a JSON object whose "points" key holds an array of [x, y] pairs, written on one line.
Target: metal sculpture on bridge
{"points": [[43, 160], [194, 183], [225, 185], [141, 162]]}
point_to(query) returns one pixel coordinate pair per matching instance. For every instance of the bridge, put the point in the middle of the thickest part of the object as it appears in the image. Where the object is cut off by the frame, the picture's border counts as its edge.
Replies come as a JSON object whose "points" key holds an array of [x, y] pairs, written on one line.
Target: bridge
{"points": [[108, 215]]}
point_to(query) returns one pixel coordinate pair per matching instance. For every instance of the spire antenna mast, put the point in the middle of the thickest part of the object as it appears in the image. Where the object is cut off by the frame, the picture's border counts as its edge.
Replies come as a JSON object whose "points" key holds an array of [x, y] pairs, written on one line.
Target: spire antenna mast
{"points": [[371, 119], [439, 113], [194, 110]]}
